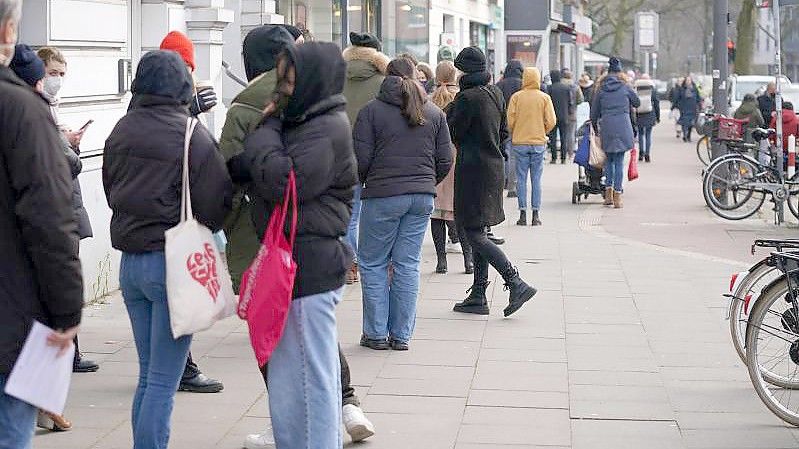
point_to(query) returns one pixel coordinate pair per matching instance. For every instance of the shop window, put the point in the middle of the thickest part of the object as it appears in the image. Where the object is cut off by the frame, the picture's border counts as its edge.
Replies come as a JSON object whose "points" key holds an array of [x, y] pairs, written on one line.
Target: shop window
{"points": [[363, 16], [322, 18], [406, 27]]}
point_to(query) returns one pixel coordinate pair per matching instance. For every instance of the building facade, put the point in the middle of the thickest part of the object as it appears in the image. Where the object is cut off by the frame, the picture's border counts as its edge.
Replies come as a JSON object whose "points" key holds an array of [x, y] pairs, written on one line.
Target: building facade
{"points": [[463, 23]]}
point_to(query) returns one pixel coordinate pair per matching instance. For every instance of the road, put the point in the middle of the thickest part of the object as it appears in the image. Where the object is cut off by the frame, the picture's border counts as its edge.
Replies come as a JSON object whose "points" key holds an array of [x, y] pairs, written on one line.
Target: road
{"points": [[625, 346]]}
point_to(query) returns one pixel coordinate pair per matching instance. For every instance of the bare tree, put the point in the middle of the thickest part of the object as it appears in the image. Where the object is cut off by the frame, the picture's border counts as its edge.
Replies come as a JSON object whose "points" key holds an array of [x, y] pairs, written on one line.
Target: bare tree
{"points": [[746, 38]]}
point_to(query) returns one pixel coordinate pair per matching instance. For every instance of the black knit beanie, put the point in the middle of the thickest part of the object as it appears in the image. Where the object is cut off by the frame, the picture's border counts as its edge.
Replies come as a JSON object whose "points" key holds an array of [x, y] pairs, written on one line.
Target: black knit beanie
{"points": [[365, 40], [471, 60]]}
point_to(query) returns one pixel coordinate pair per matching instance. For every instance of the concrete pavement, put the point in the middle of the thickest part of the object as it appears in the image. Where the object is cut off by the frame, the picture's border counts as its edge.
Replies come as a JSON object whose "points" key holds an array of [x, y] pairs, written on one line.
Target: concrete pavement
{"points": [[624, 346]]}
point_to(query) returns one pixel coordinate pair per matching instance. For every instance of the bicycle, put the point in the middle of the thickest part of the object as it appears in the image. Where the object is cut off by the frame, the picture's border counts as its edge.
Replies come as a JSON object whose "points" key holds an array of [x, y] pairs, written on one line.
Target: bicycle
{"points": [[746, 285], [772, 341], [735, 185]]}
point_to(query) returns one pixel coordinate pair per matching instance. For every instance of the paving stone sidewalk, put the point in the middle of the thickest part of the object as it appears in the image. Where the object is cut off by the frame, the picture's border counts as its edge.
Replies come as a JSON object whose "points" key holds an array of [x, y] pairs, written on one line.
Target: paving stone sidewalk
{"points": [[625, 346]]}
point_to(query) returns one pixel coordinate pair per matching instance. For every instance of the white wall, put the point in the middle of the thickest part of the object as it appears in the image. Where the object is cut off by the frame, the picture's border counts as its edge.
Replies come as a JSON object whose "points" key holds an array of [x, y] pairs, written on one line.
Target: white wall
{"points": [[464, 11]]}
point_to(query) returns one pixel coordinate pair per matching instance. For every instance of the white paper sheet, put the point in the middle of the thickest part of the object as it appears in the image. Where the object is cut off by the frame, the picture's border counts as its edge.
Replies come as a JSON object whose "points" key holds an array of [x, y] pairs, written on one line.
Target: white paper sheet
{"points": [[41, 377]]}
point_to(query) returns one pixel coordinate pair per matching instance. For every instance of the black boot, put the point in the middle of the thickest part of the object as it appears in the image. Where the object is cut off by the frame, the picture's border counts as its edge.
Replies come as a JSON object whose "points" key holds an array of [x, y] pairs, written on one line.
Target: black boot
{"points": [[647, 158], [640, 157], [441, 266], [536, 220], [522, 218], [439, 230], [476, 302], [468, 258], [520, 292]]}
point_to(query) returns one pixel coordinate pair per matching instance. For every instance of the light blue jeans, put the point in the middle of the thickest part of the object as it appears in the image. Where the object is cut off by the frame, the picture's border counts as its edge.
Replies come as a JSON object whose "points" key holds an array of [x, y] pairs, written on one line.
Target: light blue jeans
{"points": [[510, 167], [304, 376], [142, 279], [614, 171], [16, 420], [352, 230], [392, 229], [529, 159]]}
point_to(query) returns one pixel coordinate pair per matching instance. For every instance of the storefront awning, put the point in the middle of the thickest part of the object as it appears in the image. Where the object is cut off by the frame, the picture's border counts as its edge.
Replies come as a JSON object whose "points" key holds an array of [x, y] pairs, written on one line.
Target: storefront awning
{"points": [[591, 57]]}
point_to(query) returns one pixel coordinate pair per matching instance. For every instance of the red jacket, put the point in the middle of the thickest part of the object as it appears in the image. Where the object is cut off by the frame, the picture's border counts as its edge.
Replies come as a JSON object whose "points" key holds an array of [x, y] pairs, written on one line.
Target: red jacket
{"points": [[790, 125]]}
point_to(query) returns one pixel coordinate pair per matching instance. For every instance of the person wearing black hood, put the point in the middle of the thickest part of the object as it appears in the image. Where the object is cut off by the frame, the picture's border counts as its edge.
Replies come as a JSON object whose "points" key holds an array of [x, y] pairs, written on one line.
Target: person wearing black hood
{"points": [[511, 83], [564, 100], [404, 150], [142, 178], [477, 122], [313, 138]]}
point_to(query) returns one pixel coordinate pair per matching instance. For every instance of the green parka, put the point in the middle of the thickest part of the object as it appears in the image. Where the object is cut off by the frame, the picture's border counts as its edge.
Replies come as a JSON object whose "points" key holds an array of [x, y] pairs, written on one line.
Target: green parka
{"points": [[366, 70]]}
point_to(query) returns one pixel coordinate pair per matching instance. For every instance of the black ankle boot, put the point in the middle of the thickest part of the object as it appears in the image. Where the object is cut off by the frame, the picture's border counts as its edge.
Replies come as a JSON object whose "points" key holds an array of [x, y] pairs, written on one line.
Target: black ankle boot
{"points": [[468, 259], [476, 302], [520, 292], [522, 218], [536, 219], [441, 266]]}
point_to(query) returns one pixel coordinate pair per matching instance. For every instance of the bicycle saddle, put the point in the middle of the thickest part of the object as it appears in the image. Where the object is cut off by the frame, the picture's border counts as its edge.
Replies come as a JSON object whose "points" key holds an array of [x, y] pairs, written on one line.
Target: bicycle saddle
{"points": [[762, 133]]}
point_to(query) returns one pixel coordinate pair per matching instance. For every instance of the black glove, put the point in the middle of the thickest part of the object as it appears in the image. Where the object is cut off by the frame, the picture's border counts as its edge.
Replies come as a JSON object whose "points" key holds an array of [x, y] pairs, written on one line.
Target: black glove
{"points": [[203, 102]]}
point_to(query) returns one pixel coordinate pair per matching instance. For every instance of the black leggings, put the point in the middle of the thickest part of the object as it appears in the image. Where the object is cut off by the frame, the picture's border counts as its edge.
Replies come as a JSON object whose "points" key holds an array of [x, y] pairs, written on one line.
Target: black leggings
{"points": [[443, 228], [485, 253]]}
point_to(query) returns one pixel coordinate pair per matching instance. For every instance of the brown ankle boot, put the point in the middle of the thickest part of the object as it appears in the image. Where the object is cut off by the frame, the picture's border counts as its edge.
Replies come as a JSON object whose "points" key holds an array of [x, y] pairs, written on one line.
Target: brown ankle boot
{"points": [[617, 201], [608, 196]]}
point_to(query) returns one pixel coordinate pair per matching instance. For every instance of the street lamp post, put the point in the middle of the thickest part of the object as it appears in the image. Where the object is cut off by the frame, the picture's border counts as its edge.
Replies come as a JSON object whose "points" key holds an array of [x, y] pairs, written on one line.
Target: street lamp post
{"points": [[780, 200]]}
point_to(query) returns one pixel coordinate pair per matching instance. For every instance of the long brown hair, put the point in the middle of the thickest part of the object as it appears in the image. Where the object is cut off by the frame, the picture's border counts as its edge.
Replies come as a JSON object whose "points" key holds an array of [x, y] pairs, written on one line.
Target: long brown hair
{"points": [[413, 97], [447, 88]]}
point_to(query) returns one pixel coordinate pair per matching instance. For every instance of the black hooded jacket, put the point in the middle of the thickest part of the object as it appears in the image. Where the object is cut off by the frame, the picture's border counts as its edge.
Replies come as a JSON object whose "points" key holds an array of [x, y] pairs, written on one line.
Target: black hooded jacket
{"points": [[564, 98], [395, 158], [143, 160], [261, 46], [512, 80], [315, 140]]}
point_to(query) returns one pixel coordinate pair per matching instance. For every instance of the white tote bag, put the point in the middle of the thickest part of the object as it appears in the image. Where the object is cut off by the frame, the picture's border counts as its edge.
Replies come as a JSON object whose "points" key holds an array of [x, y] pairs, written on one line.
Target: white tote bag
{"points": [[198, 286]]}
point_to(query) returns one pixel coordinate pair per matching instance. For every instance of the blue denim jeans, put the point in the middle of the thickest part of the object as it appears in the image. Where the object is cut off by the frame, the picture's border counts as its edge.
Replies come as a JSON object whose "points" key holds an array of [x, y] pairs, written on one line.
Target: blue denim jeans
{"points": [[510, 167], [352, 230], [614, 171], [529, 159], [304, 376], [16, 420], [392, 229], [142, 279], [644, 139]]}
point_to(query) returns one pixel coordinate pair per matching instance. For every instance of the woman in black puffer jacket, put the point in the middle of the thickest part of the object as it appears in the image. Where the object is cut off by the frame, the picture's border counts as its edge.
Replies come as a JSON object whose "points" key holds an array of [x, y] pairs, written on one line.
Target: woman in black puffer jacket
{"points": [[313, 137], [403, 147]]}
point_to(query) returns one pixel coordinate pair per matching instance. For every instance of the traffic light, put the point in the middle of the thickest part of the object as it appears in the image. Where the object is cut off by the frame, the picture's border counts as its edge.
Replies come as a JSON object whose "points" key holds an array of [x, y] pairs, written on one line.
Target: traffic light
{"points": [[731, 51]]}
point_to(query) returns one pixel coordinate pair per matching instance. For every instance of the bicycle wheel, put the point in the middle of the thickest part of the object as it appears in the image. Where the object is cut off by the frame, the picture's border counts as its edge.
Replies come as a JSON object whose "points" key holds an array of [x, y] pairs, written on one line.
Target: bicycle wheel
{"points": [[772, 342], [703, 150], [758, 277], [729, 190]]}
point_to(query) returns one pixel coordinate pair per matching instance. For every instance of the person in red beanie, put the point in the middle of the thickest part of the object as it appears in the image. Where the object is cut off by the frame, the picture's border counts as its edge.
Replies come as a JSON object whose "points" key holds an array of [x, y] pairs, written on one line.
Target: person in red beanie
{"points": [[204, 98], [193, 379]]}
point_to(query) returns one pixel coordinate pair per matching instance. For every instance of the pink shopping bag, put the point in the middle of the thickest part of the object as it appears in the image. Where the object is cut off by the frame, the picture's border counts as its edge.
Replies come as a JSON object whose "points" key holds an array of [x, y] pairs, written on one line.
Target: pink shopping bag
{"points": [[268, 284]]}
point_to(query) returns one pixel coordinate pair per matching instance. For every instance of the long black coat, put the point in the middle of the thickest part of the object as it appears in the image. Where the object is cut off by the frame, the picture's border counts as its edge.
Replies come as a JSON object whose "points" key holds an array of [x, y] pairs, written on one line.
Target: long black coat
{"points": [[40, 275], [478, 126]]}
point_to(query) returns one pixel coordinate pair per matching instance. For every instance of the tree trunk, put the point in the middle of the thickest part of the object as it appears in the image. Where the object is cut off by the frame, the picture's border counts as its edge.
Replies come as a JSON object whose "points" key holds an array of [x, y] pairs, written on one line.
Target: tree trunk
{"points": [[746, 38]]}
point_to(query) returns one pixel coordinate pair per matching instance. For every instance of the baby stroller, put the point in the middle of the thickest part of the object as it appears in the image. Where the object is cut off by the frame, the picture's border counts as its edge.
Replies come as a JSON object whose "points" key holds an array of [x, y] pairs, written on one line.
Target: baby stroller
{"points": [[589, 179]]}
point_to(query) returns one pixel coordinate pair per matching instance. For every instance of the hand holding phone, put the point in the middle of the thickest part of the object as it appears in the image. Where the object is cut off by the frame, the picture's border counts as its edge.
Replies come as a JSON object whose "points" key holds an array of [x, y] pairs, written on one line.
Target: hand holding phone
{"points": [[86, 125]]}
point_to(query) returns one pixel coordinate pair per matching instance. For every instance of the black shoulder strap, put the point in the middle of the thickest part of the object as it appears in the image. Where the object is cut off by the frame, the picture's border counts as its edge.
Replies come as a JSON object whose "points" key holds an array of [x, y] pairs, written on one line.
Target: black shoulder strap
{"points": [[493, 98]]}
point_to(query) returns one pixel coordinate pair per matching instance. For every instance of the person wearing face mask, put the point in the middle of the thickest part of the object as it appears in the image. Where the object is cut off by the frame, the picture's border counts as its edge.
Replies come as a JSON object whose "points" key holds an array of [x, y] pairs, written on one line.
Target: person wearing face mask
{"points": [[29, 68], [40, 272], [55, 65]]}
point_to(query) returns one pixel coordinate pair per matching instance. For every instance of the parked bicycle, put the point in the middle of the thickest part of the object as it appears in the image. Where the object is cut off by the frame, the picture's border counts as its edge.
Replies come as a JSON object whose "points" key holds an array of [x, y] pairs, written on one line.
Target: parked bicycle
{"points": [[735, 185], [772, 340]]}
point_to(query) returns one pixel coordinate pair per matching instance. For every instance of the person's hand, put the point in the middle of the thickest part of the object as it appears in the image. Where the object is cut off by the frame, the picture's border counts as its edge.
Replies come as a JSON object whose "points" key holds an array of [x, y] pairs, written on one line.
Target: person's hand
{"points": [[204, 101], [62, 339], [270, 109], [74, 137]]}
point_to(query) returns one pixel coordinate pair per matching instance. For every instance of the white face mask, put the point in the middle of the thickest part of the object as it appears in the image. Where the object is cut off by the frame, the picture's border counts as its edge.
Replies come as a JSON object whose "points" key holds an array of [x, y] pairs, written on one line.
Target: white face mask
{"points": [[52, 85]]}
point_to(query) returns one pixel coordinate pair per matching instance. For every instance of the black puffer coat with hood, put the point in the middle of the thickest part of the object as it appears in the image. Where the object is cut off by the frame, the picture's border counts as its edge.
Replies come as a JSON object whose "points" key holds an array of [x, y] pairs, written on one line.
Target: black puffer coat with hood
{"points": [[143, 160], [512, 79], [395, 158], [315, 140]]}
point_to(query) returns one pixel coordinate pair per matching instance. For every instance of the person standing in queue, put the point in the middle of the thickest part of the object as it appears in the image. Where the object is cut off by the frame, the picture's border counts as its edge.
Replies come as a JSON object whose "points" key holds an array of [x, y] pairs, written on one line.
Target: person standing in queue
{"points": [[404, 150], [477, 122], [511, 83], [313, 138], [142, 178]]}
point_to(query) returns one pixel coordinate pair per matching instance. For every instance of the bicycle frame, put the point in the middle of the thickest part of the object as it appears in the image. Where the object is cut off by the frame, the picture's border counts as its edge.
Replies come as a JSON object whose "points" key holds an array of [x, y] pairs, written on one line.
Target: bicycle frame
{"points": [[779, 258]]}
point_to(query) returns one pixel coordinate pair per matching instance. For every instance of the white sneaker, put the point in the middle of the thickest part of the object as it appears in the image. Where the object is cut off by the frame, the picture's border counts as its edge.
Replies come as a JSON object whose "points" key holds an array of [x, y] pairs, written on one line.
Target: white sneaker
{"points": [[454, 248], [356, 423], [264, 440]]}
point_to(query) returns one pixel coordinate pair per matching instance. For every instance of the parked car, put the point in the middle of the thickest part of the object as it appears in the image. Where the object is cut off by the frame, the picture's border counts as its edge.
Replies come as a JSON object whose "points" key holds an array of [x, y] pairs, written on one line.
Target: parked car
{"points": [[662, 88]]}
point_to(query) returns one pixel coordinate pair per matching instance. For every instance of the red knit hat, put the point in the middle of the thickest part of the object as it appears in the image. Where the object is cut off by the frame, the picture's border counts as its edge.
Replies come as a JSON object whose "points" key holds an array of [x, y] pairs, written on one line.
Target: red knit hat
{"points": [[180, 43]]}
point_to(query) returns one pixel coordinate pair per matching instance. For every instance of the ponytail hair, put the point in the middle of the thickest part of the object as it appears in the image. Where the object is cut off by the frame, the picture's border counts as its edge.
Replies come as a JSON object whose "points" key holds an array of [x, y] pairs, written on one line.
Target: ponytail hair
{"points": [[413, 97]]}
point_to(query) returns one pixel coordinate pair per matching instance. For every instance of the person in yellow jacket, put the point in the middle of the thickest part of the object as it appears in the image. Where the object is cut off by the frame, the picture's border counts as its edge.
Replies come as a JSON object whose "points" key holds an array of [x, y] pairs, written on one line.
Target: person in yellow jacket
{"points": [[531, 117]]}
